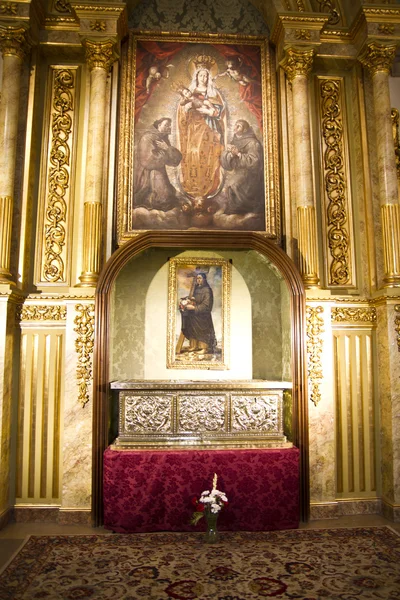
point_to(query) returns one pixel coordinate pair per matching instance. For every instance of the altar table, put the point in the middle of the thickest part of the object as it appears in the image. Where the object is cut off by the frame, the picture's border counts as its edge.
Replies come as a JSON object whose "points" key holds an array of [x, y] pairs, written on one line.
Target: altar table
{"points": [[151, 490]]}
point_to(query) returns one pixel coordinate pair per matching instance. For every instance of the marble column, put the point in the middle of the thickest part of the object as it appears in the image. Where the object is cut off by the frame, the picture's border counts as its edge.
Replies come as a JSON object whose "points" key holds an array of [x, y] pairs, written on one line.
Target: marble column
{"points": [[298, 65], [378, 58], [99, 57], [13, 46]]}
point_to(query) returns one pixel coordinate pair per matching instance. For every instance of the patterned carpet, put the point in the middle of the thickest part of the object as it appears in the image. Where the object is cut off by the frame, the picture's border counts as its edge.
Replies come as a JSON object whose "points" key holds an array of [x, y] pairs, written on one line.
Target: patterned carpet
{"points": [[341, 564]]}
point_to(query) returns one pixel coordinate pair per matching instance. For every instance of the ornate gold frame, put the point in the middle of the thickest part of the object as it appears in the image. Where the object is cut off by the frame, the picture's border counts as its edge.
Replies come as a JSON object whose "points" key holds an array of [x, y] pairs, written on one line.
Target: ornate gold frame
{"points": [[125, 173], [194, 361]]}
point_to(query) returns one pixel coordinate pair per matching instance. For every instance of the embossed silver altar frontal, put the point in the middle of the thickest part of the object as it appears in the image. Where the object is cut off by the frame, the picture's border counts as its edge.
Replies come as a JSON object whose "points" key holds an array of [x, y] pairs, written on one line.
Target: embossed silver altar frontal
{"points": [[198, 335], [240, 414]]}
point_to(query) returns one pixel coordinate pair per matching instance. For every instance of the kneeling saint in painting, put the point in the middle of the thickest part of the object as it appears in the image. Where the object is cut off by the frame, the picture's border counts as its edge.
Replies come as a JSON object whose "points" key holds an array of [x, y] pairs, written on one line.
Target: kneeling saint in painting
{"points": [[197, 323]]}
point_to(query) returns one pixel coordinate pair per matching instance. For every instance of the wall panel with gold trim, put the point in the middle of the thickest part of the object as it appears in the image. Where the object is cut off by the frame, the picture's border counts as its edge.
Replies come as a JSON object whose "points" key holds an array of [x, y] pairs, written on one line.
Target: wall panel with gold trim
{"points": [[39, 412], [357, 421]]}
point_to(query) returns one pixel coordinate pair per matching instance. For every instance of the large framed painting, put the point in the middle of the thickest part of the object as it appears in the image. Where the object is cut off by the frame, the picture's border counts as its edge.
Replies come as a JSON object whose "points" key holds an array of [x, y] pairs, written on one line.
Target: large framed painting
{"points": [[197, 143], [198, 335]]}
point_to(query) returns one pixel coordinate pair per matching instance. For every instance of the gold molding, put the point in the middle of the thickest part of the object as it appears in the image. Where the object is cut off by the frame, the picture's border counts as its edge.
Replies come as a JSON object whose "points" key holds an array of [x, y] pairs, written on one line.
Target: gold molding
{"points": [[378, 58], [14, 41], [336, 189], [314, 351], [100, 55], [58, 161], [298, 63], [397, 325], [52, 312], [355, 315], [84, 345]]}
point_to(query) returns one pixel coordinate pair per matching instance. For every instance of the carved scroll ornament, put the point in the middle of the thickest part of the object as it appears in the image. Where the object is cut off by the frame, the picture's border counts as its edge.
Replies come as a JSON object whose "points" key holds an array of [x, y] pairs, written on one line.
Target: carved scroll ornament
{"points": [[314, 351], [84, 344], [58, 175], [335, 182]]}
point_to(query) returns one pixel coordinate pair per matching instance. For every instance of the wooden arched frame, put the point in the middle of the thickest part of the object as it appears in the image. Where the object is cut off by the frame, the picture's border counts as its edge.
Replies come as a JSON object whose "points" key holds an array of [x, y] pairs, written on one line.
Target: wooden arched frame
{"points": [[210, 241]]}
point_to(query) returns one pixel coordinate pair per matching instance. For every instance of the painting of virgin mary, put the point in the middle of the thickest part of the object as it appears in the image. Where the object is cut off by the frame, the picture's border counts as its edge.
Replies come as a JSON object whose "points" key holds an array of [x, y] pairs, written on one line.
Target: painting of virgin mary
{"points": [[201, 128], [211, 155]]}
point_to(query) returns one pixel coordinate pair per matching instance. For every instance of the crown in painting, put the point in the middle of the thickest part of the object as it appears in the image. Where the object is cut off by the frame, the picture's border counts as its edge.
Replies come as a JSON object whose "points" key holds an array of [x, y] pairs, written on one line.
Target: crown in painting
{"points": [[204, 61]]}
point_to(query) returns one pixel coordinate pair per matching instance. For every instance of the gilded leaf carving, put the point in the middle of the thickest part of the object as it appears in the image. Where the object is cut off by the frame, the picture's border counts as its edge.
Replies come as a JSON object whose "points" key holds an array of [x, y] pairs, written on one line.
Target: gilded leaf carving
{"points": [[335, 182], [84, 345], [58, 176], [314, 351]]}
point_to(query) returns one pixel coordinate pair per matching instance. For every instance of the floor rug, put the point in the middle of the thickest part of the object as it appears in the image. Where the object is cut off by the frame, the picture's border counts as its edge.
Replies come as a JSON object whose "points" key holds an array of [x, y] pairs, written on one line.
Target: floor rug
{"points": [[340, 564]]}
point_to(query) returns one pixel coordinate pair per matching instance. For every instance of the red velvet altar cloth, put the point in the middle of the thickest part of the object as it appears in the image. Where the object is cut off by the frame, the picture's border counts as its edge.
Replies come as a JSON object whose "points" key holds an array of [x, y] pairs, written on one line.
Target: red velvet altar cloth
{"points": [[147, 490]]}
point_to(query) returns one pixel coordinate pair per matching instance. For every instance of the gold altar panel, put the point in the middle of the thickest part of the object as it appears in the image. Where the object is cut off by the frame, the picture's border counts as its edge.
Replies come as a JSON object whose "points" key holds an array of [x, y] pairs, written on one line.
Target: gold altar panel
{"points": [[54, 237], [39, 414], [357, 429]]}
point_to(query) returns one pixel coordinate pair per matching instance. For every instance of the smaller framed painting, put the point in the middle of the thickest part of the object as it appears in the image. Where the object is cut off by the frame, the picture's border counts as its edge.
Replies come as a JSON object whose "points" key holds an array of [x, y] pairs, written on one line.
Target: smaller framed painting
{"points": [[198, 313]]}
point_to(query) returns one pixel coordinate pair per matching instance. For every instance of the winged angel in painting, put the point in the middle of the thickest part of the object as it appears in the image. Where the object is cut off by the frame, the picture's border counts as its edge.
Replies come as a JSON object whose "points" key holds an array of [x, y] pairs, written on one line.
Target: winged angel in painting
{"points": [[198, 139]]}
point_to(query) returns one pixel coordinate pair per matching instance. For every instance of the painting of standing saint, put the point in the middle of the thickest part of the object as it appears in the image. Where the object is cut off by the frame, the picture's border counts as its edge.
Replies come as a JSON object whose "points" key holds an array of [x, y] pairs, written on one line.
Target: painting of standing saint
{"points": [[198, 313], [196, 135]]}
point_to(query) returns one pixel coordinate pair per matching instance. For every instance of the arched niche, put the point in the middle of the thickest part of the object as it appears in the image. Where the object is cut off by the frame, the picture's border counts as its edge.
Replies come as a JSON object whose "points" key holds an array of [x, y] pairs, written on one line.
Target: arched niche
{"points": [[207, 241]]}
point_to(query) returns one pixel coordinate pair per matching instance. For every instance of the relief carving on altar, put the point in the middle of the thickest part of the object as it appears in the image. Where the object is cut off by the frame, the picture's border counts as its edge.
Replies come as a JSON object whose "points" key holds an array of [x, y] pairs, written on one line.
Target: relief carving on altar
{"points": [[215, 414], [198, 138]]}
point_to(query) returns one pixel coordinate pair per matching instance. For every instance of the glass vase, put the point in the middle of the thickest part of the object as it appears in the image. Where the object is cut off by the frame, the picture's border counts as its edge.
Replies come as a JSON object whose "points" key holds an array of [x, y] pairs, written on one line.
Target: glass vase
{"points": [[211, 535]]}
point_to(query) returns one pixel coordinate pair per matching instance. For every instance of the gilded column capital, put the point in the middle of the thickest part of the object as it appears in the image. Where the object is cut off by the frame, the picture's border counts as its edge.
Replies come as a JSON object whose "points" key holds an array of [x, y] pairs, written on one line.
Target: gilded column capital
{"points": [[298, 62], [100, 55], [378, 57], [14, 41]]}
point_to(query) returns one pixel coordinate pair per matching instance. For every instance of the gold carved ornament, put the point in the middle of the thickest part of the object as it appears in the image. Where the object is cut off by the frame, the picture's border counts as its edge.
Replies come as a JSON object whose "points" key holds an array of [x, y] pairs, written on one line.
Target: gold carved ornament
{"points": [[329, 6], [396, 138], [386, 29], [378, 57], [98, 25], [8, 8], [43, 313], [62, 6], [355, 315], [298, 63], [335, 186], [84, 344], [99, 54], [56, 210], [314, 351], [302, 34], [14, 42], [397, 324]]}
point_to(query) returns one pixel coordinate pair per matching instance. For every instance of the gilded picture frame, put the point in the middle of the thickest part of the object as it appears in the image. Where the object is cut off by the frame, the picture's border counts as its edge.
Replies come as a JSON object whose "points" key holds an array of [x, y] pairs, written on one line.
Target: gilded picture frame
{"points": [[197, 135], [198, 335]]}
